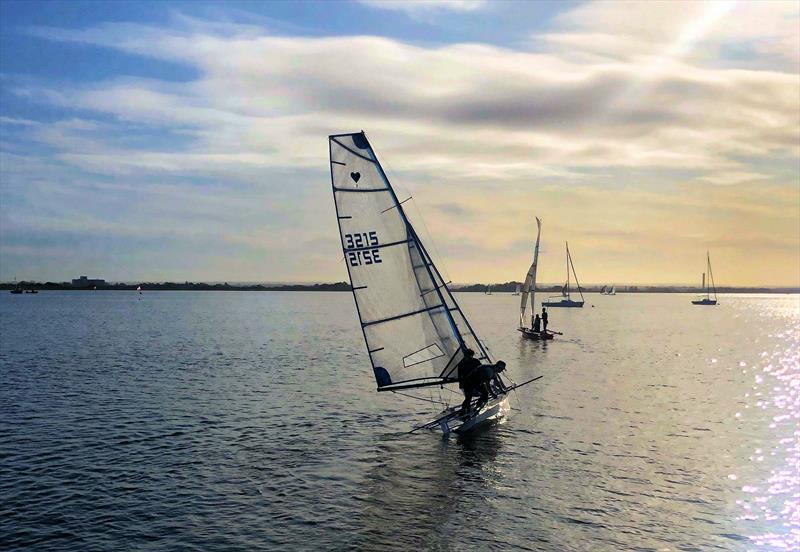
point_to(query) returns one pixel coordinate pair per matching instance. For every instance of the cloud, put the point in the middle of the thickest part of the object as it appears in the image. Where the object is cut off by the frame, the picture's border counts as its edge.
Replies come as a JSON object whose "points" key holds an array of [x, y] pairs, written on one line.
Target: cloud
{"points": [[638, 107], [417, 7], [461, 111], [710, 31]]}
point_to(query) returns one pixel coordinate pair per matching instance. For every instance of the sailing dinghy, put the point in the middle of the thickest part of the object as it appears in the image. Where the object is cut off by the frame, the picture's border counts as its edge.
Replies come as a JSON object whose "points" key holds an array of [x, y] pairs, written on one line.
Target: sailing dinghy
{"points": [[566, 300], [707, 300], [413, 327], [529, 289]]}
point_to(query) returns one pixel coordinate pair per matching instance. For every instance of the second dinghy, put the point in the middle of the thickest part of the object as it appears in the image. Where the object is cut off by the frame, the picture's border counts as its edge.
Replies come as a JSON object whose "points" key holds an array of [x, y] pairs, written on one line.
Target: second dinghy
{"points": [[529, 290]]}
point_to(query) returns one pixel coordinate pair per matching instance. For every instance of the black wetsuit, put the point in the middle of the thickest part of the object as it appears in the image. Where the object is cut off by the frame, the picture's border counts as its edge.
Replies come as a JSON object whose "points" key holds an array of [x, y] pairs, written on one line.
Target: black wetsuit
{"points": [[544, 320], [478, 383], [466, 369]]}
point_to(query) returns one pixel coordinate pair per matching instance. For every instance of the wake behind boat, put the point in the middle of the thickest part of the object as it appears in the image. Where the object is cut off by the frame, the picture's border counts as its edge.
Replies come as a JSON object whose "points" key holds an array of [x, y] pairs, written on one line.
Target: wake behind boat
{"points": [[414, 329], [566, 299]]}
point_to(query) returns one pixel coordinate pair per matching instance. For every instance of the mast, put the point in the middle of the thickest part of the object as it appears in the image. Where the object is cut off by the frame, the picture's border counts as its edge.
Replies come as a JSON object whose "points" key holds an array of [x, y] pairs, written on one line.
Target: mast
{"points": [[711, 275], [529, 288], [567, 243], [535, 264], [577, 283], [703, 285], [429, 263]]}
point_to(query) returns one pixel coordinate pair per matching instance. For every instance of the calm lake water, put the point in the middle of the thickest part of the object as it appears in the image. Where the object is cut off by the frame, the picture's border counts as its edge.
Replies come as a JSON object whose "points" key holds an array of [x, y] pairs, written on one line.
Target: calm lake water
{"points": [[243, 421]]}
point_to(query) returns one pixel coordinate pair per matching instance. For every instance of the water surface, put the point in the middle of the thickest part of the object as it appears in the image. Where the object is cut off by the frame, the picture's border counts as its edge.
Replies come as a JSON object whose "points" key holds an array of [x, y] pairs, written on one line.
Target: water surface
{"points": [[249, 420]]}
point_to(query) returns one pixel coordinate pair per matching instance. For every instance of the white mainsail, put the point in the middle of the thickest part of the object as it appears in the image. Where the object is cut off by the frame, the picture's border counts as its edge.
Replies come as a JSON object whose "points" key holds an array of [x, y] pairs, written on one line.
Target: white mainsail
{"points": [[413, 327], [529, 287]]}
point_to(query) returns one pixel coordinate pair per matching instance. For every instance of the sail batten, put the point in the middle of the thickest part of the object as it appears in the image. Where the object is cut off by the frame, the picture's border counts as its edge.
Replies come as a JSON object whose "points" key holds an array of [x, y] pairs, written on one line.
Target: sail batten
{"points": [[414, 329]]}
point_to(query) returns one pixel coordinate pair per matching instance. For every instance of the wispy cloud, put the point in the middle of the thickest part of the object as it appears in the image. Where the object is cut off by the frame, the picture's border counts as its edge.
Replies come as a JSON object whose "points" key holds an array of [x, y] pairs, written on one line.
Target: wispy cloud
{"points": [[417, 7], [638, 105]]}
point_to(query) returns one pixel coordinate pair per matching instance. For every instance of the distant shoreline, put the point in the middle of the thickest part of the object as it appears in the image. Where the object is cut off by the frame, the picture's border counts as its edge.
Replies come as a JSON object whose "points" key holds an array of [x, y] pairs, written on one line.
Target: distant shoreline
{"points": [[508, 287]]}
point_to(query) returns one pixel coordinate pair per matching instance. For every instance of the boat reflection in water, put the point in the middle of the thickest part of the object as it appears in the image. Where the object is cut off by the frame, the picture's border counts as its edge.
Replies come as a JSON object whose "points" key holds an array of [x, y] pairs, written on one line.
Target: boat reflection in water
{"points": [[425, 492]]}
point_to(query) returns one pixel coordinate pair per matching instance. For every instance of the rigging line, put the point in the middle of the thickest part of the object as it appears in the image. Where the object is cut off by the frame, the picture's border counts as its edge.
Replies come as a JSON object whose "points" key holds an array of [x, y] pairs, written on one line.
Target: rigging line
{"points": [[394, 206], [418, 212], [414, 397], [424, 293], [429, 239], [413, 235]]}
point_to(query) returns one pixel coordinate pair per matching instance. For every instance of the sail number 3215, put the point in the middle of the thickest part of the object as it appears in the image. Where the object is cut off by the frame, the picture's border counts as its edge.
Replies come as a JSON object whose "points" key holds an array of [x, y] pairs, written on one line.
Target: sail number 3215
{"points": [[362, 256]]}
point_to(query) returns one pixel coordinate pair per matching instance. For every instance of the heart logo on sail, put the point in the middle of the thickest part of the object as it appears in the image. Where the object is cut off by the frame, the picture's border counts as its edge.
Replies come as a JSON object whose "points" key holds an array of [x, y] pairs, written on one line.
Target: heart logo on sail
{"points": [[355, 176]]}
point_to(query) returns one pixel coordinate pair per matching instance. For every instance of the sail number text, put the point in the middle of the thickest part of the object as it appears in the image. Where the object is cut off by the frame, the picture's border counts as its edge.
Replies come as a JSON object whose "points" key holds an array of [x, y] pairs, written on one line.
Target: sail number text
{"points": [[362, 256]]}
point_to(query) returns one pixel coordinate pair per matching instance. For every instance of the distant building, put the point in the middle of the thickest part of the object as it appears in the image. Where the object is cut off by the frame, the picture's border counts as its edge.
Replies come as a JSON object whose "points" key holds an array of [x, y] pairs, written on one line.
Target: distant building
{"points": [[84, 282]]}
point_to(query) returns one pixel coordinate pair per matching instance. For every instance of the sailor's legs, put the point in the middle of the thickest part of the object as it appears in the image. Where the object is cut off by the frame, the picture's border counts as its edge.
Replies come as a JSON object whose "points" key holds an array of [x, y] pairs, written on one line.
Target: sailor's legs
{"points": [[484, 398], [468, 394]]}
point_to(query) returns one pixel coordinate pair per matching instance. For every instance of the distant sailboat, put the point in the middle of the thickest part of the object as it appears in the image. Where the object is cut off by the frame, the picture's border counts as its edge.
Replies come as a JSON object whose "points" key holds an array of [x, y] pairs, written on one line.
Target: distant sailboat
{"points": [[517, 290], [606, 290], [488, 290], [707, 300], [529, 290], [414, 329], [566, 300]]}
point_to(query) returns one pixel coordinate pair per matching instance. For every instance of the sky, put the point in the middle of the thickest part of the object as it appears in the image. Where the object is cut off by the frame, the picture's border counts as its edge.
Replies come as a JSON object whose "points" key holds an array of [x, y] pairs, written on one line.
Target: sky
{"points": [[152, 141]]}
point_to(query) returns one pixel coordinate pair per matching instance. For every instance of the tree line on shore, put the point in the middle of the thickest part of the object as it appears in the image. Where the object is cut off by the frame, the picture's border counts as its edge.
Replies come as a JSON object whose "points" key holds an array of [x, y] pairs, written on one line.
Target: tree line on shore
{"points": [[507, 287]]}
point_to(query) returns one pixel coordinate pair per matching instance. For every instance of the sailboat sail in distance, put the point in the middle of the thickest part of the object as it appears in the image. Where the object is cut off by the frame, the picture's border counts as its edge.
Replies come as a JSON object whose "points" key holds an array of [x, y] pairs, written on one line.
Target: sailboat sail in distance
{"points": [[529, 290], [413, 327]]}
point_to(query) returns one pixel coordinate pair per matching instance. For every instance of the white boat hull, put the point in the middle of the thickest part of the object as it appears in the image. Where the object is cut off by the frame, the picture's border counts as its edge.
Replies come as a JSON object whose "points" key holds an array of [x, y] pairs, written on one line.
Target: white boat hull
{"points": [[493, 411]]}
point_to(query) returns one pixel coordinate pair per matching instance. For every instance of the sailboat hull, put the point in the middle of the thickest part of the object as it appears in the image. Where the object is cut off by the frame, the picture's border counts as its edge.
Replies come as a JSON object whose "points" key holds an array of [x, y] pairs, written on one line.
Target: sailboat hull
{"points": [[705, 302], [563, 303], [535, 336], [449, 422], [495, 410]]}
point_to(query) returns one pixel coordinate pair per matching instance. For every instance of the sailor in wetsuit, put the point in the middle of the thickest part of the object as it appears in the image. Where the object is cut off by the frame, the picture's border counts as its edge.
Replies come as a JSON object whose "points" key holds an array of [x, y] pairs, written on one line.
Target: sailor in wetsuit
{"points": [[479, 381], [465, 368]]}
